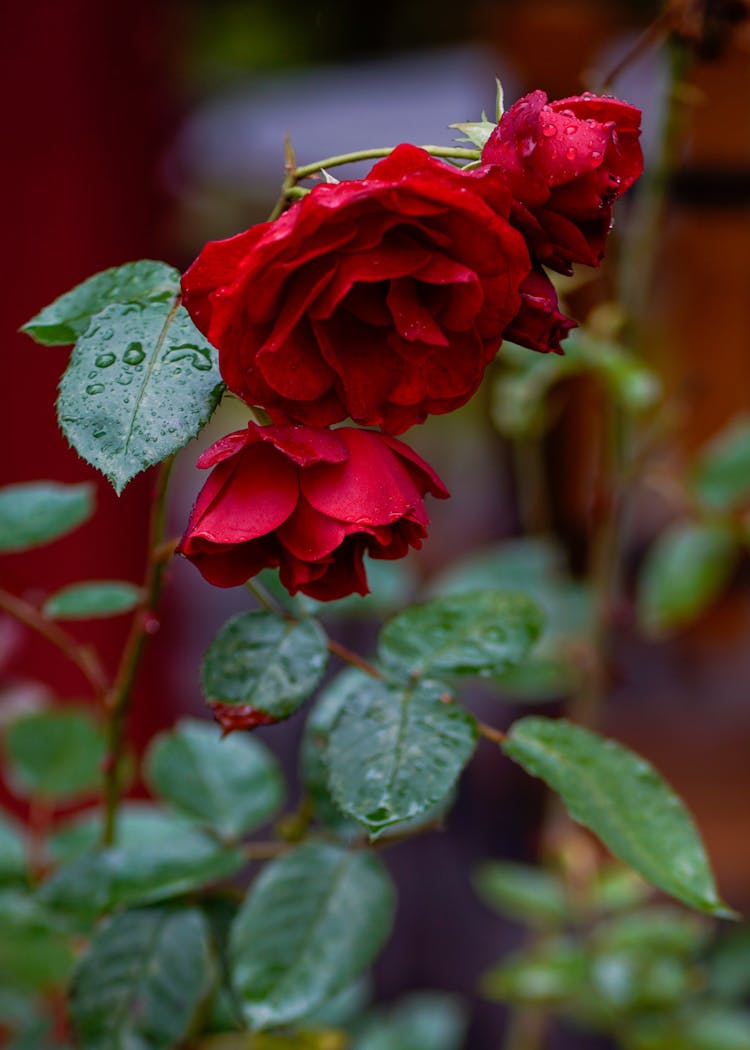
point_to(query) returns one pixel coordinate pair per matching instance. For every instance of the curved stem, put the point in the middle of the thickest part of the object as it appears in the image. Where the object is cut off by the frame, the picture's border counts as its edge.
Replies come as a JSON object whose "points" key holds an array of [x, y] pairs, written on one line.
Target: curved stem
{"points": [[119, 698], [83, 656], [449, 152]]}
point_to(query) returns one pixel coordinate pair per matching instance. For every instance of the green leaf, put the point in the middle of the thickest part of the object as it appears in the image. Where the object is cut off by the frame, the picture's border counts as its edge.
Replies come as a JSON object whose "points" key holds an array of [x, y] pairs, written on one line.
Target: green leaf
{"points": [[523, 893], [34, 953], [68, 317], [554, 974], [233, 785], [720, 478], [37, 512], [57, 754], [313, 750], [143, 978], [729, 966], [312, 921], [475, 131], [183, 860], [624, 801], [537, 568], [12, 850], [265, 663], [395, 751], [478, 632], [685, 569], [421, 1021], [141, 383], [87, 601], [141, 826]]}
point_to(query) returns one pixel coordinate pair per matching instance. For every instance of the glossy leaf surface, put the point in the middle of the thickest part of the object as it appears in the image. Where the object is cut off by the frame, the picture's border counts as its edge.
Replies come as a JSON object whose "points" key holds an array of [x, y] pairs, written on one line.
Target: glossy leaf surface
{"points": [[624, 801], [141, 383], [312, 921], [396, 750]]}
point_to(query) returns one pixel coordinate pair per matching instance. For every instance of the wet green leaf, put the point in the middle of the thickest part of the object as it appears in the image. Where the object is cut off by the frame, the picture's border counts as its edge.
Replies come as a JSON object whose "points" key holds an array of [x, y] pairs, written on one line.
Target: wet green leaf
{"points": [[477, 632], [623, 800], [421, 1021], [523, 893], [312, 921], [394, 751], [141, 383], [68, 317], [142, 979], [233, 785], [265, 663]]}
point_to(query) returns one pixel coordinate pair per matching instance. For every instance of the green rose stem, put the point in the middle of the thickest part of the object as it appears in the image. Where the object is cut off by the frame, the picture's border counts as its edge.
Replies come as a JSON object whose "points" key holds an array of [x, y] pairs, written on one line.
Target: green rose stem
{"points": [[118, 699], [83, 656], [290, 190], [261, 595]]}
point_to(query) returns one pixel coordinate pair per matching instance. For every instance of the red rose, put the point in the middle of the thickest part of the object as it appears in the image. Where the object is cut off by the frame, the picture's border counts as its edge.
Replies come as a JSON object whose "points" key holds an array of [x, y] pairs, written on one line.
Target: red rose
{"points": [[565, 162], [381, 298], [539, 325], [310, 502]]}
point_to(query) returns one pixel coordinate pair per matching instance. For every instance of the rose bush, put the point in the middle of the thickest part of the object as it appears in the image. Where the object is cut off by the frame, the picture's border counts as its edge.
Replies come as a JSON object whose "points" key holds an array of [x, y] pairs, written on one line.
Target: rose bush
{"points": [[382, 299], [565, 162], [309, 501]]}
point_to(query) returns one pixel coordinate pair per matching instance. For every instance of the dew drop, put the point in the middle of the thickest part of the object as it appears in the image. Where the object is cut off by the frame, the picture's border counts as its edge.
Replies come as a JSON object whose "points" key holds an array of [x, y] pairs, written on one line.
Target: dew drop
{"points": [[125, 379], [99, 433], [570, 130], [106, 333], [95, 388], [105, 360], [570, 153], [549, 130], [92, 375], [134, 354]]}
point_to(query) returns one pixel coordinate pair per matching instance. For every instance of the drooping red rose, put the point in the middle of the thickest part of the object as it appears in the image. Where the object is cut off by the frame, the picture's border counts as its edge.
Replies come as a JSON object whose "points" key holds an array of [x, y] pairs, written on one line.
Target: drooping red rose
{"points": [[539, 324], [381, 298], [565, 162], [310, 502]]}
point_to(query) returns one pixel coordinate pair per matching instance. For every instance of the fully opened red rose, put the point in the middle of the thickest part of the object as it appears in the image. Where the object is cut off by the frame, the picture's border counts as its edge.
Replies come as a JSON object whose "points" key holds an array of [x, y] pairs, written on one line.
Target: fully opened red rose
{"points": [[381, 298], [565, 162], [310, 502]]}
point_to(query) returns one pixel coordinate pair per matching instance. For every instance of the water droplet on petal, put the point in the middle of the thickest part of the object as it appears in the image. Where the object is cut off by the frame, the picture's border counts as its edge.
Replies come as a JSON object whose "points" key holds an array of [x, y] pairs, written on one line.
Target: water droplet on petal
{"points": [[549, 130], [95, 388], [105, 360], [570, 130], [134, 354], [596, 155], [570, 153]]}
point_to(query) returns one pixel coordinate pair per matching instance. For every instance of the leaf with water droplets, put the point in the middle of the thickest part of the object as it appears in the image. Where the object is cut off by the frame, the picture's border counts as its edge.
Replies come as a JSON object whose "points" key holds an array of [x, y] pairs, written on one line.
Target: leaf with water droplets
{"points": [[68, 317], [263, 668], [395, 751], [312, 921], [480, 632], [623, 800], [141, 383], [141, 980]]}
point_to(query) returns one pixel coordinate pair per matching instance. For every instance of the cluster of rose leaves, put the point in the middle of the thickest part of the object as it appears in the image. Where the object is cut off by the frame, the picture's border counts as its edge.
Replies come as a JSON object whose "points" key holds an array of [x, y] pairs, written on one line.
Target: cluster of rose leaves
{"points": [[383, 300]]}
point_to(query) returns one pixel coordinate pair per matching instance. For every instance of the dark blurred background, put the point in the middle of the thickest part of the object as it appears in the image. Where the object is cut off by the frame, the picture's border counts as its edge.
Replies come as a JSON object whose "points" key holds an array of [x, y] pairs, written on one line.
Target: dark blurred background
{"points": [[142, 129]]}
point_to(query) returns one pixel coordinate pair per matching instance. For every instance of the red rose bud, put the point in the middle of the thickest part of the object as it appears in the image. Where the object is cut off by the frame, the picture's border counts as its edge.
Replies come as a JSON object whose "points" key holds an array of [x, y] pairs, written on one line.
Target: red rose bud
{"points": [[382, 299], [310, 502], [565, 162], [539, 325]]}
